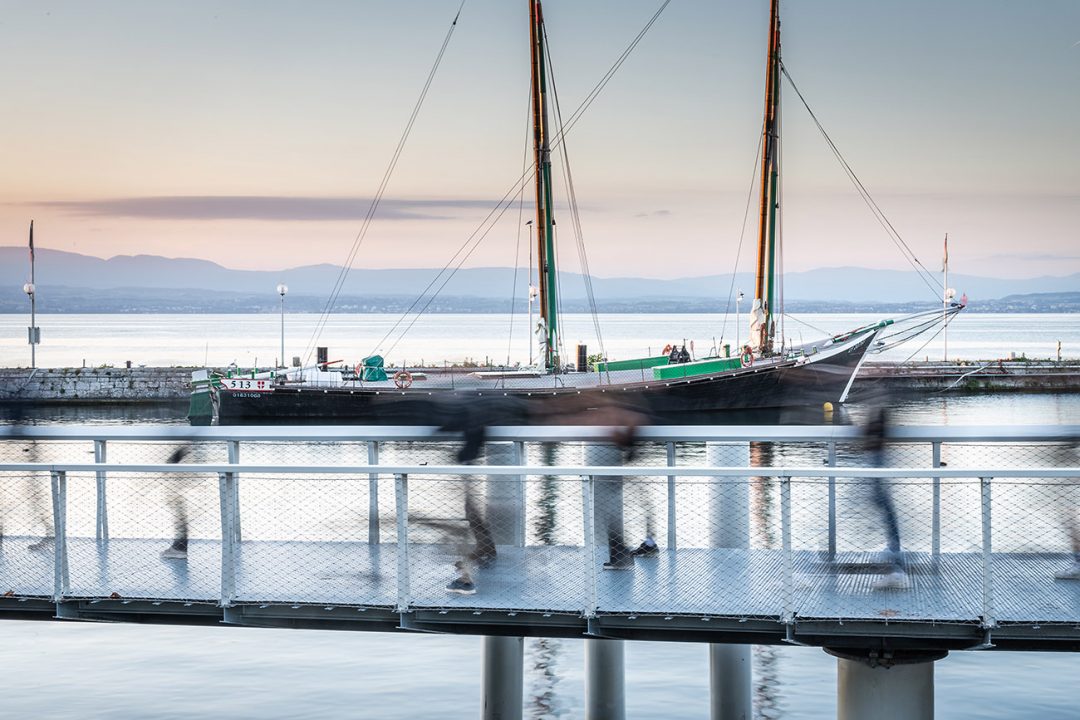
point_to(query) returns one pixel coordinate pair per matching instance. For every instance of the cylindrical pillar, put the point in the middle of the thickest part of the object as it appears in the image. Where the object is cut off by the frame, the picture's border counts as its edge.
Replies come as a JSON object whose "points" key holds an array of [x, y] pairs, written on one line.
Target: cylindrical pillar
{"points": [[605, 697], [504, 657], [730, 666], [605, 690], [898, 686], [503, 681], [730, 682]]}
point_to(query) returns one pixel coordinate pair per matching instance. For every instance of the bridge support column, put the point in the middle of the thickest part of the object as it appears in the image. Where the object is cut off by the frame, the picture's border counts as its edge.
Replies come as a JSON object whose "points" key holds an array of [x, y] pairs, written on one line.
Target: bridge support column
{"points": [[886, 686], [730, 665], [503, 678], [605, 688], [503, 681]]}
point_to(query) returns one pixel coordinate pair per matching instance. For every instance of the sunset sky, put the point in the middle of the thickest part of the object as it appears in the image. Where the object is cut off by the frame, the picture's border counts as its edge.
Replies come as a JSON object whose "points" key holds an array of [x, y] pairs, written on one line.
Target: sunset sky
{"points": [[255, 133]]}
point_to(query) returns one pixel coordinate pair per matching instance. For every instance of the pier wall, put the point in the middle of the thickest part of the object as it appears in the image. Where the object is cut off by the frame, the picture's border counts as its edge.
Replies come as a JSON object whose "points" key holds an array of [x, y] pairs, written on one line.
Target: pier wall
{"points": [[97, 385]]}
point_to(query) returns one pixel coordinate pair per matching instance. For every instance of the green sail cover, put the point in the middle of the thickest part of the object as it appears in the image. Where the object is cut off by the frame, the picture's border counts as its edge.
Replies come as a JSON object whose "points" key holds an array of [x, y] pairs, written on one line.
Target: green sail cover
{"points": [[373, 369]]}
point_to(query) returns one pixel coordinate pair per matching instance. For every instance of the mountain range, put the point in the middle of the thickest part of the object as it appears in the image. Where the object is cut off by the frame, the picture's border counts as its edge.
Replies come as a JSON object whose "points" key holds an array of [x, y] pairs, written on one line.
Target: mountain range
{"points": [[158, 284]]}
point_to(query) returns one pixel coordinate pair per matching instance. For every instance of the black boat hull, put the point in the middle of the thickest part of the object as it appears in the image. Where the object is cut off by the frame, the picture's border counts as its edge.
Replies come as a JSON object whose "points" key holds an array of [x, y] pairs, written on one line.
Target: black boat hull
{"points": [[720, 398]]}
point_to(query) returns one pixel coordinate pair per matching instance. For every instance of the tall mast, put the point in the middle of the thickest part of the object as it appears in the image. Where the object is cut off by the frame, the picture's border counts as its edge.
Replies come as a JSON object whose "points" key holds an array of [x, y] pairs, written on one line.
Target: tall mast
{"points": [[762, 326], [545, 237]]}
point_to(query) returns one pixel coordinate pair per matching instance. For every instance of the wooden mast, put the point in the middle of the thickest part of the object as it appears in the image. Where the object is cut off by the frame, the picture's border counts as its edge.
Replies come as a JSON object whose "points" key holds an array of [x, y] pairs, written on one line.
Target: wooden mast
{"points": [[545, 239], [762, 325]]}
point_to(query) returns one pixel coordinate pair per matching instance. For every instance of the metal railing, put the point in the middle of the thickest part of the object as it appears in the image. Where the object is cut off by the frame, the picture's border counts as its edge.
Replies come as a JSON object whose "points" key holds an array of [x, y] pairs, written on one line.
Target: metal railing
{"points": [[767, 522]]}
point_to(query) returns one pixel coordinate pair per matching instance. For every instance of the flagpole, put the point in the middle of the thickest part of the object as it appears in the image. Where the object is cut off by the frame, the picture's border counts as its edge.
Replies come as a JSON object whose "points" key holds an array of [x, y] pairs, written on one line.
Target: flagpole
{"points": [[945, 300]]}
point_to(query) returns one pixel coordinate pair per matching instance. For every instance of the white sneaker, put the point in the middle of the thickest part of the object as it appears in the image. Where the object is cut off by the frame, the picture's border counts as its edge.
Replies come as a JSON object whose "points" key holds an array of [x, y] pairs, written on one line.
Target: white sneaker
{"points": [[896, 580], [171, 553], [1070, 573]]}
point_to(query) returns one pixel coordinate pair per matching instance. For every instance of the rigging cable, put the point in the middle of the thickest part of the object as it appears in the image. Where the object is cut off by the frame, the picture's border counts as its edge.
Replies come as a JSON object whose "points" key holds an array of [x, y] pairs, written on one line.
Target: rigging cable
{"points": [[366, 224], [497, 212], [575, 215], [517, 247], [875, 209], [742, 237]]}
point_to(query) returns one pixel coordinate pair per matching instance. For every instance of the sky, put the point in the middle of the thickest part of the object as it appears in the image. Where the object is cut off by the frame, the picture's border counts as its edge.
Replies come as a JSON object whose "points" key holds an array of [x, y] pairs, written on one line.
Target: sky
{"points": [[255, 134]]}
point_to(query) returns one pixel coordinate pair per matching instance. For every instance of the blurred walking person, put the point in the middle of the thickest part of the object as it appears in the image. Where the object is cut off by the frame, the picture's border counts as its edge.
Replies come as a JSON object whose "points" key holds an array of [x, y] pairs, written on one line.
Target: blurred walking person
{"points": [[874, 437], [1070, 509], [176, 501]]}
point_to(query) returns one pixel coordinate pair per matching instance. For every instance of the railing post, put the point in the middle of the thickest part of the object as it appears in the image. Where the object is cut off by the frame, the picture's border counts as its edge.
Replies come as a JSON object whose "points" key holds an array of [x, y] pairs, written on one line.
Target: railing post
{"points": [[226, 481], [520, 531], [60, 560], [785, 525], [671, 534], [401, 501], [935, 512], [987, 559], [234, 496], [101, 530], [373, 494], [832, 501], [587, 510]]}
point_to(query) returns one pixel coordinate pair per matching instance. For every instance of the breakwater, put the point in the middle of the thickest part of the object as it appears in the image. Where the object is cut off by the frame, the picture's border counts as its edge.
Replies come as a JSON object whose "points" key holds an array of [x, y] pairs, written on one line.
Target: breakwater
{"points": [[95, 385], [172, 384]]}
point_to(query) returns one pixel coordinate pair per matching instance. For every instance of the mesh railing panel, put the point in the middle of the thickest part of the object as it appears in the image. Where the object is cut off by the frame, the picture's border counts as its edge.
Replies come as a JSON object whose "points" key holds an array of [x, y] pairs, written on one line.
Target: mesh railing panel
{"points": [[483, 541]]}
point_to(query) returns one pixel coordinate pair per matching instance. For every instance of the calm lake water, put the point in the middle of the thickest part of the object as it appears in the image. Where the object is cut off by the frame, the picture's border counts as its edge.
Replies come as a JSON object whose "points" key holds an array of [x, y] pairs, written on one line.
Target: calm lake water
{"points": [[217, 340], [81, 670]]}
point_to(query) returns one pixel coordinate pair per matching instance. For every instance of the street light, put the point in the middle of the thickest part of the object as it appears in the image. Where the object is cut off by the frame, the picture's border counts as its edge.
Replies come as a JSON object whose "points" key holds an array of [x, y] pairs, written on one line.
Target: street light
{"points": [[33, 333], [282, 288]]}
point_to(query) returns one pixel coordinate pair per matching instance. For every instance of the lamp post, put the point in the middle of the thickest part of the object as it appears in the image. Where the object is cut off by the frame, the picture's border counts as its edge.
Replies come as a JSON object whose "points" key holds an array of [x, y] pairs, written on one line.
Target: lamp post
{"points": [[738, 321], [282, 288], [33, 333]]}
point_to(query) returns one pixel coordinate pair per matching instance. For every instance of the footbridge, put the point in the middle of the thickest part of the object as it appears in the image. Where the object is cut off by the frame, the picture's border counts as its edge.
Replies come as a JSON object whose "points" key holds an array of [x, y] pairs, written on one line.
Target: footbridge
{"points": [[763, 535]]}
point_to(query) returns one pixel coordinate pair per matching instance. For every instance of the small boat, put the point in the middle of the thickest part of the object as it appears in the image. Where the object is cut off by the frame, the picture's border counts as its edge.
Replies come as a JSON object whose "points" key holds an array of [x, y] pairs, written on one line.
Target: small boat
{"points": [[669, 388]]}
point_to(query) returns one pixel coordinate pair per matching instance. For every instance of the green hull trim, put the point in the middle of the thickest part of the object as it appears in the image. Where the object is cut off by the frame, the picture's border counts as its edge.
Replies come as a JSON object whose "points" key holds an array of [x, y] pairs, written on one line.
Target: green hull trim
{"points": [[640, 363], [702, 367]]}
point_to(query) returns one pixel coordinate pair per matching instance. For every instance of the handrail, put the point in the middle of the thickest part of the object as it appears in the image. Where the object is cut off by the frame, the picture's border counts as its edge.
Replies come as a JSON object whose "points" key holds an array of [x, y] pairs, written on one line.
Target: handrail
{"points": [[556, 470], [542, 433]]}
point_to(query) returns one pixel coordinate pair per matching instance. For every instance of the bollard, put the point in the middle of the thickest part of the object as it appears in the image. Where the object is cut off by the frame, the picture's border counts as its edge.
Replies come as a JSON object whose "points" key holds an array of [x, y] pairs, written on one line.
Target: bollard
{"points": [[730, 668], [604, 681], [885, 686]]}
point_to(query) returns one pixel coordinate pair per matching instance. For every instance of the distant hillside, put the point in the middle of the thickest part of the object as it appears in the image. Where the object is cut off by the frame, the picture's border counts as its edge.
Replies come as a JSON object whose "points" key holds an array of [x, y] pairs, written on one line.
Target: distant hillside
{"points": [[70, 282]]}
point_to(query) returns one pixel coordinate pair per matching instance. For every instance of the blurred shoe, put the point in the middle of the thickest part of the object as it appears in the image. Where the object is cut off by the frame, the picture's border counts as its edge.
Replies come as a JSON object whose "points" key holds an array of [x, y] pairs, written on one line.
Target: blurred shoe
{"points": [[1070, 573], [42, 545], [895, 580], [461, 586], [649, 548], [627, 564], [172, 553]]}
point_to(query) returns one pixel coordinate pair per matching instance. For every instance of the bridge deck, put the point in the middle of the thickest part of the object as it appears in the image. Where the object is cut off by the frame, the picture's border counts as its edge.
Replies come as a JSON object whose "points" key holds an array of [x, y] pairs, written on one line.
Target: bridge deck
{"points": [[726, 587]]}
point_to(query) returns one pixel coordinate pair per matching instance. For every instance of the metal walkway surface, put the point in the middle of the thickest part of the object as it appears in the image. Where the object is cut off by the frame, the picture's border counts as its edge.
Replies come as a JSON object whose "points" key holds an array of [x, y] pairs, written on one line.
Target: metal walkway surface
{"points": [[775, 548]]}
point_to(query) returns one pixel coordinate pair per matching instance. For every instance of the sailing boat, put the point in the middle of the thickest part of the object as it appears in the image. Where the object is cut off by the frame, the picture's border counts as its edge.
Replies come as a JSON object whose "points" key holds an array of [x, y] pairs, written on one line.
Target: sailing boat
{"points": [[667, 388]]}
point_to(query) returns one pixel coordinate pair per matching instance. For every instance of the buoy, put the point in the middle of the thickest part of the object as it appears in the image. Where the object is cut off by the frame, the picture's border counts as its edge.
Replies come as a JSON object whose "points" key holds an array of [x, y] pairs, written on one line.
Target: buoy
{"points": [[827, 407]]}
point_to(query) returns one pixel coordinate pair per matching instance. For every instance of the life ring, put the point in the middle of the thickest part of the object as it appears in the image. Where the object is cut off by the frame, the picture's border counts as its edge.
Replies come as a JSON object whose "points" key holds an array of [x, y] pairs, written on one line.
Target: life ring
{"points": [[667, 349], [747, 357], [403, 379]]}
